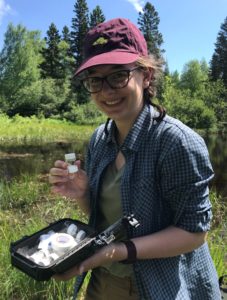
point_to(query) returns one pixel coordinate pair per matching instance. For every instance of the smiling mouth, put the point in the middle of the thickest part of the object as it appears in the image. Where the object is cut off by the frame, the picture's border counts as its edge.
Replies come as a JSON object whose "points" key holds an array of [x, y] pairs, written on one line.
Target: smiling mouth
{"points": [[112, 102]]}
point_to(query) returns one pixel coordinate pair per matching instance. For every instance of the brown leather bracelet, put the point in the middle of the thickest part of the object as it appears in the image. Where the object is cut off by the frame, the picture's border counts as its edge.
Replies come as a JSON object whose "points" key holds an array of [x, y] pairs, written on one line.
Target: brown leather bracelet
{"points": [[132, 253]]}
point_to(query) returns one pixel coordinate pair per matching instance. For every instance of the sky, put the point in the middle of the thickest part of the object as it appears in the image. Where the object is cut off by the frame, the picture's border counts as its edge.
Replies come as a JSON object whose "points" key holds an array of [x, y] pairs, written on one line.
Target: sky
{"points": [[189, 27]]}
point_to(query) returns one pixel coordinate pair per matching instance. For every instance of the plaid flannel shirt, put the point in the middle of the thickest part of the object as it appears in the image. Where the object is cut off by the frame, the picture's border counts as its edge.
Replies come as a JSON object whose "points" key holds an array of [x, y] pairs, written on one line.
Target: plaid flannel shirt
{"points": [[165, 182]]}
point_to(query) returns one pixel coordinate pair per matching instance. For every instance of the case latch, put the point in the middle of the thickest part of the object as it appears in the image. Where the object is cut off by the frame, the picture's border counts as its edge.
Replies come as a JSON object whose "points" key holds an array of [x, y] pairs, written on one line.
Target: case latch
{"points": [[132, 221], [109, 235], [104, 239]]}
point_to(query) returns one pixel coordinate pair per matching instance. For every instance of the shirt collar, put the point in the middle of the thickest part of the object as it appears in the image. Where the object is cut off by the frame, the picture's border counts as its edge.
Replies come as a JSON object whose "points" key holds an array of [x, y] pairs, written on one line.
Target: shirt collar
{"points": [[136, 134]]}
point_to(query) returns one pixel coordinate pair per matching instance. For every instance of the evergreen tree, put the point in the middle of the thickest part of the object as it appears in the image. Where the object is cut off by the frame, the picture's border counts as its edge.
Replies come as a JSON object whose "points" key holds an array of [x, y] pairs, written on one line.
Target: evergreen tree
{"points": [[67, 58], [51, 65], [148, 23], [80, 25], [166, 69], [96, 16], [66, 35], [79, 29], [218, 64]]}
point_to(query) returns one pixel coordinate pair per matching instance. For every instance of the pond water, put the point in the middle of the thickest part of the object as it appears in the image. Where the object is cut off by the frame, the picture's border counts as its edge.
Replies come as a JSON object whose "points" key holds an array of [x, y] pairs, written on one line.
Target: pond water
{"points": [[38, 159], [217, 146]]}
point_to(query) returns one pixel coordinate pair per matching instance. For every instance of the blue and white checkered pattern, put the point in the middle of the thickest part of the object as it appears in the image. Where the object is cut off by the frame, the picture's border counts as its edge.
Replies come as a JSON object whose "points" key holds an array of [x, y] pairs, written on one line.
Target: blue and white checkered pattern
{"points": [[165, 182]]}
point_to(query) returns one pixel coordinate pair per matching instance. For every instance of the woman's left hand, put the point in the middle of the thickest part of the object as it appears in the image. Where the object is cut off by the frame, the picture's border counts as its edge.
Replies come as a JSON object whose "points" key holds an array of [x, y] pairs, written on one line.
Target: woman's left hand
{"points": [[107, 254]]}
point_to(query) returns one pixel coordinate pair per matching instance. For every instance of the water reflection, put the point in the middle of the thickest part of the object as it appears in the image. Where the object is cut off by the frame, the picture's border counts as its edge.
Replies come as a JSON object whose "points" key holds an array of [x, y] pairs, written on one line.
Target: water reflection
{"points": [[217, 146], [30, 160], [39, 159]]}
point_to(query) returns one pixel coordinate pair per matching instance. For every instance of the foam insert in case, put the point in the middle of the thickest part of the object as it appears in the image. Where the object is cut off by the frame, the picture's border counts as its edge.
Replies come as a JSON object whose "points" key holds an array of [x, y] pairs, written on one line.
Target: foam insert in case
{"points": [[73, 256]]}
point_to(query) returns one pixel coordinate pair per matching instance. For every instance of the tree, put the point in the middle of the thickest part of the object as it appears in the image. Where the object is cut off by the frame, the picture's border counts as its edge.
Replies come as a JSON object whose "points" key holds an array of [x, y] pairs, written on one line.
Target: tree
{"points": [[19, 72], [218, 65], [51, 66], [80, 25], [96, 17], [79, 29], [53, 97], [215, 97], [66, 59], [66, 35], [194, 76], [190, 110], [148, 23], [66, 56]]}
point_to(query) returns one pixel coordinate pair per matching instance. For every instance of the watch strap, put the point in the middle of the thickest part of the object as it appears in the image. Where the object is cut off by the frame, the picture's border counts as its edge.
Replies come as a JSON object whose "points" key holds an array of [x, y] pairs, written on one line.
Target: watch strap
{"points": [[132, 252]]}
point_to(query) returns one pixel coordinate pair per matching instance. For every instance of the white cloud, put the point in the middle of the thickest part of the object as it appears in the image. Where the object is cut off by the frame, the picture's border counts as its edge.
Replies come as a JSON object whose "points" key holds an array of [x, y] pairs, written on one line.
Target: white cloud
{"points": [[138, 4], [4, 9]]}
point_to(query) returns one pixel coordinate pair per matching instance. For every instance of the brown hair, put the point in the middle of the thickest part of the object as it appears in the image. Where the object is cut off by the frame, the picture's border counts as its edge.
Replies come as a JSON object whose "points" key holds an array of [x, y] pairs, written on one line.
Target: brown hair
{"points": [[150, 62]]}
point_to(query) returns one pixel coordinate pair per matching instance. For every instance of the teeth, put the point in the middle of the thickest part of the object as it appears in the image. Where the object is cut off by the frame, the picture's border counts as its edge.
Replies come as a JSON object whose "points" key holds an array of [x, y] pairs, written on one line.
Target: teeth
{"points": [[112, 102]]}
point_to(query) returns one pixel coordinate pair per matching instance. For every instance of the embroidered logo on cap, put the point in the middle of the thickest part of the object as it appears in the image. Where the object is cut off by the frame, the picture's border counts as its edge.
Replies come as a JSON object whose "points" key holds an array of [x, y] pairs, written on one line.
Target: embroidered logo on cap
{"points": [[100, 41]]}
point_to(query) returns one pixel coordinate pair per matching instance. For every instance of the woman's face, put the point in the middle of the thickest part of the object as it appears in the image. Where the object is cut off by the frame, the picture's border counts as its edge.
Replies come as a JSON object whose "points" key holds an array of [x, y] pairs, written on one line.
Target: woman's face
{"points": [[122, 104]]}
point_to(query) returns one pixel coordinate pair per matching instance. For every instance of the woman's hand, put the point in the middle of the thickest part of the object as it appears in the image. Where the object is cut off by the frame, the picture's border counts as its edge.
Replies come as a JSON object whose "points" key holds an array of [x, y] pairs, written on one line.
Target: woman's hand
{"points": [[74, 188], [107, 254]]}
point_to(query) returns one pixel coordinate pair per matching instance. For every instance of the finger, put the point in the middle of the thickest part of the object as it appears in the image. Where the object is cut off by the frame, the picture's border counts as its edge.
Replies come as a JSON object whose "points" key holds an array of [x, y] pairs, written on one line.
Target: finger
{"points": [[60, 164], [81, 174], [57, 179], [78, 163], [58, 189], [58, 172]]}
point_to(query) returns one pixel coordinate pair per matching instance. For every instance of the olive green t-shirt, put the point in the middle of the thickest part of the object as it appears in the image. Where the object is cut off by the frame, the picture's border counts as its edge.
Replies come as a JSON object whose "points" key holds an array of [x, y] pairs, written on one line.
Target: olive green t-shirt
{"points": [[110, 211]]}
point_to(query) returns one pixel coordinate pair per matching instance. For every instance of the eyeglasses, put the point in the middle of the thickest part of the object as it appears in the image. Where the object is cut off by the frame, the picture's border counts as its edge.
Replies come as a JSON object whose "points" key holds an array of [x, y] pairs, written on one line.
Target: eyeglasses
{"points": [[116, 80]]}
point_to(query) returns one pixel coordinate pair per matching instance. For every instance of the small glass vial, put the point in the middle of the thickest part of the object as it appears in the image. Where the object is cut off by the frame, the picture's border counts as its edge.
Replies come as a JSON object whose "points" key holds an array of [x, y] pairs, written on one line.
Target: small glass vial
{"points": [[70, 159]]}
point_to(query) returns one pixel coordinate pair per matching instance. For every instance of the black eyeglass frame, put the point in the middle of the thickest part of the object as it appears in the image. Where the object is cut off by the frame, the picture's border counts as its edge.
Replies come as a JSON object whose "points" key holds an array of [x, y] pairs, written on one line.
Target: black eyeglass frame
{"points": [[105, 78]]}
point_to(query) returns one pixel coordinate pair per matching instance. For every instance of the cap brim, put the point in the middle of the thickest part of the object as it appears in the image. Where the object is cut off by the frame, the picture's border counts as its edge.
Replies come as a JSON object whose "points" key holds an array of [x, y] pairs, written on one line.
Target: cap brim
{"points": [[108, 58]]}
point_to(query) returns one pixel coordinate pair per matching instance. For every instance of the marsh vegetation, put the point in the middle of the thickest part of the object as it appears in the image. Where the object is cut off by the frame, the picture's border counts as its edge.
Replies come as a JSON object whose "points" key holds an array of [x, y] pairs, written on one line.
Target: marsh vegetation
{"points": [[28, 147]]}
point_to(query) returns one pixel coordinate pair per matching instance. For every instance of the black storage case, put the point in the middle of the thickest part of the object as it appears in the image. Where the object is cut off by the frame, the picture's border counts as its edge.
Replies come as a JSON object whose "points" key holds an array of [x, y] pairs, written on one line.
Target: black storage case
{"points": [[77, 254]]}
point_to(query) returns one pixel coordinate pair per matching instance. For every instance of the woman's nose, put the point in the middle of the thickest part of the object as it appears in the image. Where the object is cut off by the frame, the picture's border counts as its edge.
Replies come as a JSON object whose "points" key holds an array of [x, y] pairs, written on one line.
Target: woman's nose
{"points": [[106, 88]]}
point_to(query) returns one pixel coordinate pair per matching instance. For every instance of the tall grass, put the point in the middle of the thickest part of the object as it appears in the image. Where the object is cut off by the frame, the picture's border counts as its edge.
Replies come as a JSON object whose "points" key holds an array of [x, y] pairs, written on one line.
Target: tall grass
{"points": [[24, 213], [27, 206], [217, 238], [29, 130]]}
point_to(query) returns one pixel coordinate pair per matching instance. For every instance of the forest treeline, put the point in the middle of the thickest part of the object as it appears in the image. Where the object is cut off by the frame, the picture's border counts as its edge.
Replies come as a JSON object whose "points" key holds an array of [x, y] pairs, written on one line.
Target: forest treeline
{"points": [[36, 74]]}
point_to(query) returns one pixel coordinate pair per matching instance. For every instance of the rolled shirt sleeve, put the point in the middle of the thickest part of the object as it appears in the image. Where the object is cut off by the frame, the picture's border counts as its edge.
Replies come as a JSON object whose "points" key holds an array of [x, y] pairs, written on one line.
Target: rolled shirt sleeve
{"points": [[186, 173]]}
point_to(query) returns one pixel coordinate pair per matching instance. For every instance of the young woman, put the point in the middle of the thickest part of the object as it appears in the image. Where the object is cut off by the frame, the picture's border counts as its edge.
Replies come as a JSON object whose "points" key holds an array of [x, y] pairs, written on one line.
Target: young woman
{"points": [[146, 163]]}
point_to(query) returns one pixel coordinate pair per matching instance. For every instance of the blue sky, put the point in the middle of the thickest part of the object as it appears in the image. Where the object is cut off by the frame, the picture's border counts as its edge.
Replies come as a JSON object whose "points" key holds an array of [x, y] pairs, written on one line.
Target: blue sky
{"points": [[189, 27]]}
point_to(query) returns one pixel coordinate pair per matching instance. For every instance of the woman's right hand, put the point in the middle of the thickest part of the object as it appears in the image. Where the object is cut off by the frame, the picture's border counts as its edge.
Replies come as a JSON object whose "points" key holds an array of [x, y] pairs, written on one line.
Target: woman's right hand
{"points": [[62, 183]]}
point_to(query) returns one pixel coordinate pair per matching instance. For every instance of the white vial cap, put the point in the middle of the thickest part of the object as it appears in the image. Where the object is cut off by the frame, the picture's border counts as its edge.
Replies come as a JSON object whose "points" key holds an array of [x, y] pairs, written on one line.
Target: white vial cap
{"points": [[72, 169], [80, 235], [72, 229], [70, 156]]}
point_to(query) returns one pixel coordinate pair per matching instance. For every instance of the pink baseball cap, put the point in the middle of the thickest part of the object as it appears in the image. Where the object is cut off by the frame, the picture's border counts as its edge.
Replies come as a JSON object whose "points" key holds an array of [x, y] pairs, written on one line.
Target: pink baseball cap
{"points": [[117, 41]]}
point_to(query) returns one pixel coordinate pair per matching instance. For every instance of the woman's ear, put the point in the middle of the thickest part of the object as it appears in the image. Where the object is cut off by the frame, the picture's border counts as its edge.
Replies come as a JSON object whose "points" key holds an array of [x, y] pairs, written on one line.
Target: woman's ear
{"points": [[148, 75]]}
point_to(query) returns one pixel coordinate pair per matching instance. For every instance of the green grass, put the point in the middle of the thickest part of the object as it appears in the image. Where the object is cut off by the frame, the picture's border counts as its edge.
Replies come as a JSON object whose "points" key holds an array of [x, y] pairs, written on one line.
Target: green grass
{"points": [[218, 248], [217, 238], [18, 218], [24, 130], [27, 205]]}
